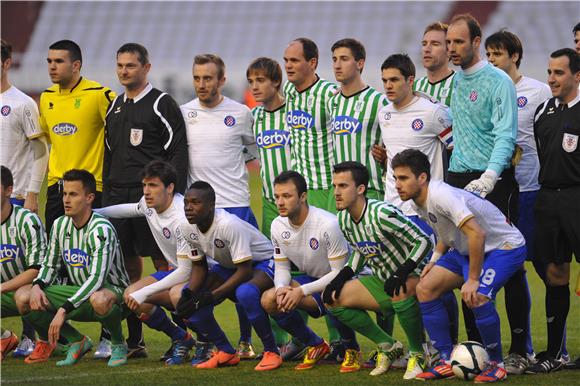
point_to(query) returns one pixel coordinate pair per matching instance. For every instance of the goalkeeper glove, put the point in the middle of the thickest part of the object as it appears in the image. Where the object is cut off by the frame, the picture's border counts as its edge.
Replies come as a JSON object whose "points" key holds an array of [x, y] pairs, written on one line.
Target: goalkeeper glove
{"points": [[399, 279], [484, 184], [345, 274], [191, 302]]}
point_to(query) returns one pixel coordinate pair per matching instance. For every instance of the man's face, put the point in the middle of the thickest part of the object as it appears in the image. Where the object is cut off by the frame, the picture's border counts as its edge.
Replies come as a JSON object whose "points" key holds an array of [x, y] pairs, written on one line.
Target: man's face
{"points": [[434, 50], [459, 45], [560, 78], [345, 190], [406, 183], [287, 199], [298, 69], [75, 198], [499, 57], [206, 83], [261, 87], [396, 86], [577, 41], [345, 67], [131, 73], [5, 193], [60, 67], [197, 209], [157, 196]]}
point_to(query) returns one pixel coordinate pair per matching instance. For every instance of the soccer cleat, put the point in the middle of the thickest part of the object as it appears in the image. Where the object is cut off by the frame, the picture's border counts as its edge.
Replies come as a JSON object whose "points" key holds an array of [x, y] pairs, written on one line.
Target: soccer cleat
{"points": [[246, 351], [573, 365], [168, 354], [8, 344], [401, 363], [270, 361], [386, 358], [337, 352], [293, 351], [41, 352], [181, 349], [24, 348], [313, 355], [491, 373], [441, 370], [220, 359], [432, 355], [118, 355], [351, 362], [103, 350], [137, 352], [515, 364], [60, 350], [76, 351], [203, 352], [415, 365], [545, 364], [371, 362]]}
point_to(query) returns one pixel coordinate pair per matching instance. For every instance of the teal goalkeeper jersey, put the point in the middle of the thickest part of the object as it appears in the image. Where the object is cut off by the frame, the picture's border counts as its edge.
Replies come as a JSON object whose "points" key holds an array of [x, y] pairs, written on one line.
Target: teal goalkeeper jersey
{"points": [[355, 126], [440, 91], [384, 238], [308, 120], [91, 256], [22, 243], [273, 141]]}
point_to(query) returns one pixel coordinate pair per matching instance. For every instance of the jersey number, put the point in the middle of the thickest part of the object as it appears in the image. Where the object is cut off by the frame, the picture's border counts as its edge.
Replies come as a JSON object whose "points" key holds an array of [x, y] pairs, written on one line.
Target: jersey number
{"points": [[487, 276]]}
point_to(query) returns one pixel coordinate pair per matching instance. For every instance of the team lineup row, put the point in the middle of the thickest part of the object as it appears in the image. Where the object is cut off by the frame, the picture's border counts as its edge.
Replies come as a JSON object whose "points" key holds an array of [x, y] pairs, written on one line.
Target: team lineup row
{"points": [[309, 128]]}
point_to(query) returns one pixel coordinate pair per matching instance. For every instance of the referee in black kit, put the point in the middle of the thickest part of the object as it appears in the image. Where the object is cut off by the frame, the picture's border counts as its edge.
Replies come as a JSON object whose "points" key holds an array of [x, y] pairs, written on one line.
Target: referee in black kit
{"points": [[557, 211], [142, 124]]}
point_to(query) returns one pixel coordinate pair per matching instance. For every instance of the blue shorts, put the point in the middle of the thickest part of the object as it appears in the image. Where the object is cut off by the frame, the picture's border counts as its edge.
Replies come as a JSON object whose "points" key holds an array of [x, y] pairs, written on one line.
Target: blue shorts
{"points": [[498, 267], [527, 220], [266, 266], [305, 279], [160, 275], [16, 201], [245, 213]]}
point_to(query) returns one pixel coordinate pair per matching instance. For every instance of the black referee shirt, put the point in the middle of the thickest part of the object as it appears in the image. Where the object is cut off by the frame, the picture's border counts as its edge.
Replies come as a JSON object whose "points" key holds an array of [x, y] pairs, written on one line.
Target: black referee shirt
{"points": [[557, 132], [139, 131]]}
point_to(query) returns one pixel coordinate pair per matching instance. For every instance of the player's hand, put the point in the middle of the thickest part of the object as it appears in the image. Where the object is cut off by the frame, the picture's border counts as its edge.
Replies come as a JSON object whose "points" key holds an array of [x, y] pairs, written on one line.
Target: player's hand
{"points": [[426, 269], [132, 303], [38, 300], [398, 279], [55, 326], [31, 202], [469, 292], [190, 302], [280, 292], [292, 298], [379, 153], [484, 184], [332, 290]]}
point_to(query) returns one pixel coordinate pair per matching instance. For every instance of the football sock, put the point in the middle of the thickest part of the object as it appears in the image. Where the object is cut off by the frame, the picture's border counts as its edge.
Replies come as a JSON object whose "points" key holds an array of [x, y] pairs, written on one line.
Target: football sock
{"points": [[135, 328], [346, 334], [333, 334], [112, 322], [470, 326], [557, 307], [518, 306], [206, 325], [245, 324], [361, 322], [386, 319], [409, 315], [248, 295], [294, 324], [436, 322], [105, 334], [28, 330], [177, 320], [487, 321], [41, 321], [280, 336], [158, 320], [450, 303]]}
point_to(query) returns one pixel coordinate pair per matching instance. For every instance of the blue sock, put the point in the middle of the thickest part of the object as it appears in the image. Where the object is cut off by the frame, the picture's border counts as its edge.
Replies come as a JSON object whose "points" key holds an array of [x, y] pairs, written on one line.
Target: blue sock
{"points": [[158, 320], [487, 321], [245, 324], [450, 303], [436, 322], [294, 324], [347, 334], [205, 324], [248, 296]]}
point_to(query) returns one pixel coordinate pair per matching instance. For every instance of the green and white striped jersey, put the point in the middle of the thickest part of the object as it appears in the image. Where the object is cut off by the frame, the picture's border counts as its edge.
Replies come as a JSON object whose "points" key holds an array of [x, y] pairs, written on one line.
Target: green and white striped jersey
{"points": [[22, 243], [355, 126], [440, 91], [308, 120], [91, 255], [384, 238], [273, 141]]}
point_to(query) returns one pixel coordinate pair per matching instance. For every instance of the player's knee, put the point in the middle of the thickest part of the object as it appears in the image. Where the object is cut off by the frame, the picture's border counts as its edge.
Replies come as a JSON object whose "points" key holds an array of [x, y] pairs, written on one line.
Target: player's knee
{"points": [[557, 274], [268, 301], [248, 293], [423, 292], [22, 300], [175, 295], [100, 302]]}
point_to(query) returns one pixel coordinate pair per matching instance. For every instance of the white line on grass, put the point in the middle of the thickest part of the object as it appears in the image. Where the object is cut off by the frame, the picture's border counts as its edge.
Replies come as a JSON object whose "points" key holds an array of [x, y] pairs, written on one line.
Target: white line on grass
{"points": [[81, 375]]}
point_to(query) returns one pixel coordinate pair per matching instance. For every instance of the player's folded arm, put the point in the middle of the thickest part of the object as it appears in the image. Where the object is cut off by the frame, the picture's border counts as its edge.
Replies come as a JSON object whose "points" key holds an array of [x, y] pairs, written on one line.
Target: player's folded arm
{"points": [[282, 275], [178, 276], [336, 265]]}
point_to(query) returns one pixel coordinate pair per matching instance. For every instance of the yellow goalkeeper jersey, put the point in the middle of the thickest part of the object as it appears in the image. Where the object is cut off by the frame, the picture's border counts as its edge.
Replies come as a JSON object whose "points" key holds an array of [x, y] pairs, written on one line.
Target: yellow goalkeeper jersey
{"points": [[74, 121]]}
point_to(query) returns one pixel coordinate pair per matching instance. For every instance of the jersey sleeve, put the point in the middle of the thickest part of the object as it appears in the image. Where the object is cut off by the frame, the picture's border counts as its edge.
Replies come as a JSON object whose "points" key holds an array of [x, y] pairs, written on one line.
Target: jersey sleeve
{"points": [[248, 137], [52, 264], [282, 266], [41, 117], [121, 211], [34, 236], [336, 244], [240, 248], [451, 206], [30, 120], [442, 123], [356, 260], [187, 248], [504, 119]]}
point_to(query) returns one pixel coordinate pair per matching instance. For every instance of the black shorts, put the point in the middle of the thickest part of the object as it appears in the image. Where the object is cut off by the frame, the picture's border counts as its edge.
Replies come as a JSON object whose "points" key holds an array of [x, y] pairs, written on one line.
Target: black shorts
{"points": [[134, 233], [54, 207], [557, 214]]}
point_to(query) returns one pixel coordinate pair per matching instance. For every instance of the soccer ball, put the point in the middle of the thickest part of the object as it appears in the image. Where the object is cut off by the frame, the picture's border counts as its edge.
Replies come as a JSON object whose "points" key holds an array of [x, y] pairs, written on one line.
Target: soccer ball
{"points": [[468, 359]]}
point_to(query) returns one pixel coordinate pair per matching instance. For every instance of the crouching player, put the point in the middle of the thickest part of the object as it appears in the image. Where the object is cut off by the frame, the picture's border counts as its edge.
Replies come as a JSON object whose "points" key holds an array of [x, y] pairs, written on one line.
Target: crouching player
{"points": [[487, 251], [243, 271], [86, 244], [393, 247], [310, 238]]}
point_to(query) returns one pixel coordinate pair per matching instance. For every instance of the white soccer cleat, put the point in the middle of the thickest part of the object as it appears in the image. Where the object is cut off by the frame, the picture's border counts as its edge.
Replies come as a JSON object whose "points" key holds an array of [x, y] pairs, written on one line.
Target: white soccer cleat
{"points": [[103, 350], [386, 358]]}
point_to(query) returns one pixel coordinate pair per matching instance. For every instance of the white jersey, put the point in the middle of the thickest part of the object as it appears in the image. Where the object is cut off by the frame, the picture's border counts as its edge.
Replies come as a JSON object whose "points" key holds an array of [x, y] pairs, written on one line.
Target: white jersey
{"points": [[215, 140], [163, 225], [20, 124], [448, 208], [422, 125], [530, 94], [229, 241]]}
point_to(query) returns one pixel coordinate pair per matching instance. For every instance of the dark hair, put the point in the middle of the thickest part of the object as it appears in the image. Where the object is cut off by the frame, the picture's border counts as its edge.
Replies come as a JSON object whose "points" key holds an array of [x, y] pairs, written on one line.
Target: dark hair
{"points": [[309, 48], [85, 177], [268, 67], [573, 58], [472, 24], [73, 49], [6, 51], [135, 48], [436, 26], [402, 62], [415, 160], [209, 193], [508, 41], [356, 48], [359, 172], [296, 178], [576, 28], [162, 170], [211, 58], [6, 177]]}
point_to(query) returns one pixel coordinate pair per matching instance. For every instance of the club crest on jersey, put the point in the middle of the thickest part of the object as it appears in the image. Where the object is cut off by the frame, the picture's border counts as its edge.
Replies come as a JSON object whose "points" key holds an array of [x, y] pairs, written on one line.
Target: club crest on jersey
{"points": [[273, 139], [5, 110], [314, 244], [473, 96], [64, 129], [569, 142], [299, 120], [432, 217], [136, 137], [76, 258], [167, 233], [219, 243], [417, 124], [369, 248], [358, 106], [229, 120], [310, 101], [12, 231], [522, 101], [445, 93], [285, 235], [344, 125], [77, 103], [9, 252]]}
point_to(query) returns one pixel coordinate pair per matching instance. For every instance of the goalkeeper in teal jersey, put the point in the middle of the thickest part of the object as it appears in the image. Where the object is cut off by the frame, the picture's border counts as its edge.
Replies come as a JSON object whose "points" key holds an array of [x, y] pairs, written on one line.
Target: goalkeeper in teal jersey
{"points": [[86, 245], [22, 248], [394, 248]]}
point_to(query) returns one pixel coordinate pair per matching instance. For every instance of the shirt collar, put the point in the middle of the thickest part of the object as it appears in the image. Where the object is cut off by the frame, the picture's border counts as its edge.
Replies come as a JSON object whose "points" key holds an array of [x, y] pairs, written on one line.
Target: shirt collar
{"points": [[141, 94], [476, 67], [571, 103]]}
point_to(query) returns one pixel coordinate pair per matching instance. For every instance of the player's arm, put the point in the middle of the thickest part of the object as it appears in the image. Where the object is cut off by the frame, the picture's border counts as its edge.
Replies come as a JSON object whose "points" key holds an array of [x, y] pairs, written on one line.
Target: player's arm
{"points": [[505, 126], [439, 250], [282, 265], [475, 242], [336, 264], [178, 276], [443, 123], [121, 211], [49, 269]]}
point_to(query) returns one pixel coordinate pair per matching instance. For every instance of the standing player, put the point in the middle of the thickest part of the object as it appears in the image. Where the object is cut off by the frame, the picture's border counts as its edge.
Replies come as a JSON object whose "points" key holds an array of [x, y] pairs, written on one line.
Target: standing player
{"points": [[86, 245], [487, 250], [393, 247], [557, 211], [243, 271]]}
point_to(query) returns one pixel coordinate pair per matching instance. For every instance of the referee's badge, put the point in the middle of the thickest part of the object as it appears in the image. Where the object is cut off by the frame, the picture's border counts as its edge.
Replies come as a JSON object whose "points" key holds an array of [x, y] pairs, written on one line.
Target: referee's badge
{"points": [[136, 137], [12, 231], [569, 142]]}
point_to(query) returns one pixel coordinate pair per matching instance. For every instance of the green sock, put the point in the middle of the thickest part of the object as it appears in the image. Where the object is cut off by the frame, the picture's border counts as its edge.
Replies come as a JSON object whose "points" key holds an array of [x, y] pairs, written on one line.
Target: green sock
{"points": [[112, 322], [362, 323], [280, 335], [386, 318], [41, 321], [83, 313], [409, 315], [333, 335]]}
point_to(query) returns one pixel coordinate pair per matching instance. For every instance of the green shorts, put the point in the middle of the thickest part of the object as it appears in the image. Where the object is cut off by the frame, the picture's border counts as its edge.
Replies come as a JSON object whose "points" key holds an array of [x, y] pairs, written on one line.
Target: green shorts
{"points": [[8, 305], [323, 199], [58, 294], [269, 213], [376, 288]]}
